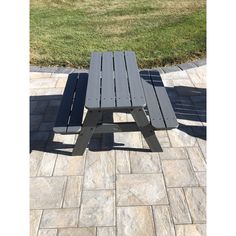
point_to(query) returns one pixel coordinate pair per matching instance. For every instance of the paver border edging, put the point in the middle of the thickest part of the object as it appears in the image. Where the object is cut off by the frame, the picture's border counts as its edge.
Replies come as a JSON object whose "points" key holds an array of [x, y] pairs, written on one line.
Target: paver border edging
{"points": [[167, 69]]}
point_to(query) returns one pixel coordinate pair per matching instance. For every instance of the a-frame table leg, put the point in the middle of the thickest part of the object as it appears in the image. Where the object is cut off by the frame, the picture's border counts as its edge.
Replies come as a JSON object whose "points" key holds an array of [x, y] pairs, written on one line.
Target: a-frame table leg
{"points": [[91, 120], [146, 129]]}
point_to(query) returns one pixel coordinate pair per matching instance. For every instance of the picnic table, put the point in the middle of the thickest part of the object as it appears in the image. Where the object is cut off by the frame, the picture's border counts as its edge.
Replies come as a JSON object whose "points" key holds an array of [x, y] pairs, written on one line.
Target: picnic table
{"points": [[114, 84]]}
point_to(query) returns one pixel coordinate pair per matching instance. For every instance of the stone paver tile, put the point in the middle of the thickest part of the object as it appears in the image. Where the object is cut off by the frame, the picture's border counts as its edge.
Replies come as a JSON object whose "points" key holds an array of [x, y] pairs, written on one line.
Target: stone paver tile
{"points": [[120, 117], [40, 75], [97, 208], [42, 83], [168, 82], [122, 162], [191, 230], [35, 216], [179, 207], [61, 82], [46, 91], [73, 191], [47, 164], [100, 170], [196, 158], [140, 189], [46, 192], [59, 75], [65, 139], [163, 222], [35, 160], [196, 199], [135, 221], [177, 75], [180, 138], [202, 145], [69, 165], [178, 173], [142, 162], [173, 153], [106, 231], [201, 176], [59, 218], [128, 139], [182, 83], [47, 232], [77, 232]]}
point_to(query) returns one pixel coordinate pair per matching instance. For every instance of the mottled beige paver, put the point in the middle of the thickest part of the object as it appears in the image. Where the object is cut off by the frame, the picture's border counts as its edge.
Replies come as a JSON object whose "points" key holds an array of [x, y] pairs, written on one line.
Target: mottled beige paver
{"points": [[145, 162], [173, 153], [47, 164], [73, 191], [69, 165], [178, 173], [197, 159], [100, 170], [59, 218], [35, 160], [140, 189], [122, 162], [163, 222], [196, 199], [135, 221], [46, 192], [77, 232], [179, 207], [35, 216], [47, 232], [201, 176], [106, 231], [97, 208], [191, 230]]}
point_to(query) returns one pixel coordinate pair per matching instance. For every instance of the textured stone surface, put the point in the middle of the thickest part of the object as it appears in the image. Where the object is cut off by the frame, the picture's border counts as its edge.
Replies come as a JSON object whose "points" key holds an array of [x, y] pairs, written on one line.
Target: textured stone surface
{"points": [[135, 221], [173, 153], [73, 191], [43, 83], [197, 159], [106, 231], [47, 164], [196, 199], [69, 165], [191, 230], [122, 162], [201, 176], [39, 75], [179, 207], [35, 216], [46, 192], [47, 232], [144, 162], [35, 160], [178, 173], [163, 222], [77, 232], [140, 189], [97, 208], [59, 218], [202, 145], [100, 170]]}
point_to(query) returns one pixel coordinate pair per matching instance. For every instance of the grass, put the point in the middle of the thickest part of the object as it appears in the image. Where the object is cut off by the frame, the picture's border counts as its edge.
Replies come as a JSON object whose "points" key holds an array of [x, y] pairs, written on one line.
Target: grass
{"points": [[161, 32]]}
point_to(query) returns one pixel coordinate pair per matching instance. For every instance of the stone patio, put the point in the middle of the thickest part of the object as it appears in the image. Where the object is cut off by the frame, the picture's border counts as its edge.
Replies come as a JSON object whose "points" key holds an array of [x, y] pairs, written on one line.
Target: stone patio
{"points": [[117, 187]]}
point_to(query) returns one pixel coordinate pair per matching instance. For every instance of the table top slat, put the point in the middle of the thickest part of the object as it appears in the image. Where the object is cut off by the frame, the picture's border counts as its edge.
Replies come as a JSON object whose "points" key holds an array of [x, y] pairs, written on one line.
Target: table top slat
{"points": [[121, 81], [108, 90], [135, 85], [93, 89], [152, 103]]}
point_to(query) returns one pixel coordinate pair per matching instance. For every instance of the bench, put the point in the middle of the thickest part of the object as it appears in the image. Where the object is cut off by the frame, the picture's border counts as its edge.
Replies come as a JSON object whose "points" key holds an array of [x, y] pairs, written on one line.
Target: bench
{"points": [[114, 84]]}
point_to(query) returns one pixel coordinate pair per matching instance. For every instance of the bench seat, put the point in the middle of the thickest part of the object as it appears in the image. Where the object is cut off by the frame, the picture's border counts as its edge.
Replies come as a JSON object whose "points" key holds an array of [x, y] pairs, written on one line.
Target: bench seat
{"points": [[70, 114]]}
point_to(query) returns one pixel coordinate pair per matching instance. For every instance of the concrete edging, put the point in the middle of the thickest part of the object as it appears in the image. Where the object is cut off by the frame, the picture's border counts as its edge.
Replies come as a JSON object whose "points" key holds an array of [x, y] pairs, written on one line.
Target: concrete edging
{"points": [[168, 69]]}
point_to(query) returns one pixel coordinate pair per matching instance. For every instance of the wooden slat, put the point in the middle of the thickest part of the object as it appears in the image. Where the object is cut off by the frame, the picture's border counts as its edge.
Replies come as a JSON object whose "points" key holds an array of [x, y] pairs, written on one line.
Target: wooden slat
{"points": [[121, 81], [93, 91], [136, 90], [65, 107], [164, 101], [108, 90], [76, 116], [151, 99]]}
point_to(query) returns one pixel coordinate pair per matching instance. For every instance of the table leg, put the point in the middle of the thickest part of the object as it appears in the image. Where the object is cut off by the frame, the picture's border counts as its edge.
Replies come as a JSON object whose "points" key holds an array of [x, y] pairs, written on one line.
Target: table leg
{"points": [[87, 130], [146, 129]]}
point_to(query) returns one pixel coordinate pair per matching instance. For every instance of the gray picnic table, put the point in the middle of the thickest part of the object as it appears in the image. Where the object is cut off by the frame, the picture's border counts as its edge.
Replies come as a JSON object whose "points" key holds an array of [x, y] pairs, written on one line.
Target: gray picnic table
{"points": [[114, 84]]}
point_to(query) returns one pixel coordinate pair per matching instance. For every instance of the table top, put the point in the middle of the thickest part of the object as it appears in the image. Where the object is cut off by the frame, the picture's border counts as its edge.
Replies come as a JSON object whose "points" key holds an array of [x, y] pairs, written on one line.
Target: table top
{"points": [[114, 81]]}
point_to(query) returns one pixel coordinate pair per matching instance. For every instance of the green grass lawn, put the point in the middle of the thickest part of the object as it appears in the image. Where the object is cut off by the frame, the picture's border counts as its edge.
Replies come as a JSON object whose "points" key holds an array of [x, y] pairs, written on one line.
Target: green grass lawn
{"points": [[161, 32]]}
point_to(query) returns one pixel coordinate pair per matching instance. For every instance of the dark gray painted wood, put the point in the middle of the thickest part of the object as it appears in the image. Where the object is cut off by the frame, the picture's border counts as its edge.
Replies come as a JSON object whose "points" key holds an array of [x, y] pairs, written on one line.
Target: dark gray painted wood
{"points": [[78, 105], [121, 81], [136, 90], [67, 99], [151, 99], [93, 90], [108, 90]]}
